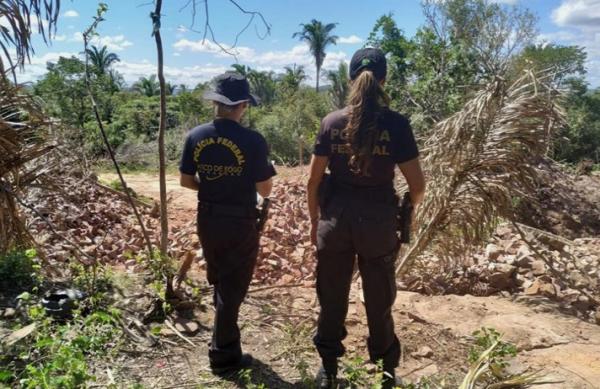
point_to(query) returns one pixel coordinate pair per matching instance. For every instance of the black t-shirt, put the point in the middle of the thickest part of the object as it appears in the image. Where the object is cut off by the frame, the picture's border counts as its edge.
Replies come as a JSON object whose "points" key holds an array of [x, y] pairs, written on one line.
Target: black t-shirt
{"points": [[229, 160], [396, 144]]}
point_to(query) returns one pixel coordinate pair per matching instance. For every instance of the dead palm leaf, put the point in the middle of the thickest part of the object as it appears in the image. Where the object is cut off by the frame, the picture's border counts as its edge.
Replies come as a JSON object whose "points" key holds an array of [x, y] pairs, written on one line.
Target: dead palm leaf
{"points": [[482, 369], [21, 18], [23, 149], [480, 161]]}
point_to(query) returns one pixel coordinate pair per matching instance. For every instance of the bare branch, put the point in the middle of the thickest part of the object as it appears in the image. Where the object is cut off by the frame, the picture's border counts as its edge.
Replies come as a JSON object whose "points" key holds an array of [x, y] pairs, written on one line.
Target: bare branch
{"points": [[207, 31]]}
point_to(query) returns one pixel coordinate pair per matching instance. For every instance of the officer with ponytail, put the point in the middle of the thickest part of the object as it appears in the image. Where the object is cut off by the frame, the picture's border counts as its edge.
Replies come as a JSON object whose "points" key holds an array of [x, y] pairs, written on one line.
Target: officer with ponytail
{"points": [[353, 213]]}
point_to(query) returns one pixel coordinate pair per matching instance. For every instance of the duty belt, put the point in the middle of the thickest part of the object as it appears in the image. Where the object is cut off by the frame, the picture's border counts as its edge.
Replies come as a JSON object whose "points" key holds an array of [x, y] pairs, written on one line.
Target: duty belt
{"points": [[239, 211], [379, 194]]}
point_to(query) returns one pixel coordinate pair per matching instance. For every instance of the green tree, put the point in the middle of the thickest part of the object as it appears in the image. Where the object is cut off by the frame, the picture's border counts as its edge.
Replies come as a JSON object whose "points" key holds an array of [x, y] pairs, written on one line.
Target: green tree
{"points": [[339, 85], [580, 138], [170, 88], [562, 62], [318, 36], [293, 77], [391, 40], [291, 121], [490, 32], [101, 59], [147, 86], [241, 69], [63, 90], [263, 85]]}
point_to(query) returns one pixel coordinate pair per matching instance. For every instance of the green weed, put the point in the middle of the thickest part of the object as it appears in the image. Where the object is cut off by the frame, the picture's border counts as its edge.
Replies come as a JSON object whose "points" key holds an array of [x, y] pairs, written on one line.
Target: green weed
{"points": [[245, 376], [19, 270], [484, 339]]}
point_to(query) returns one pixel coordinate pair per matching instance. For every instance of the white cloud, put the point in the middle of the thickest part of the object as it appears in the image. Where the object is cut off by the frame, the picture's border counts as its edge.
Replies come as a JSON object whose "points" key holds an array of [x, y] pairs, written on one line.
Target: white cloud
{"points": [[578, 13], [505, 1], [268, 60], [113, 43], [206, 46], [76, 37], [580, 22], [557, 36], [71, 14], [189, 75], [60, 38], [352, 39], [37, 68]]}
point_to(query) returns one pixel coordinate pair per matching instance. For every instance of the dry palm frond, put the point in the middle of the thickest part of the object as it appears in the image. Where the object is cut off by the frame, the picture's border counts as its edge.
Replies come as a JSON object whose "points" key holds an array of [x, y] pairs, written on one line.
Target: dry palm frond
{"points": [[482, 369], [480, 161], [22, 151], [19, 18]]}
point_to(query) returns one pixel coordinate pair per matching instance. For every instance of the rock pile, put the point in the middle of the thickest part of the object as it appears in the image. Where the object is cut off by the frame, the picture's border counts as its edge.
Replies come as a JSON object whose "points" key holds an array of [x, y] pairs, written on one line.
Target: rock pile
{"points": [[569, 274], [101, 224], [84, 215]]}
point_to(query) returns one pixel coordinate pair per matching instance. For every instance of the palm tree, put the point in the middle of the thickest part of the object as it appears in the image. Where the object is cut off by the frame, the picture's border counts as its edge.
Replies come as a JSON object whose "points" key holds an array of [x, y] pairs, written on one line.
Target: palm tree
{"points": [[102, 59], [116, 80], [241, 69], [170, 88], [339, 85], [148, 86], [262, 84], [293, 76], [318, 36]]}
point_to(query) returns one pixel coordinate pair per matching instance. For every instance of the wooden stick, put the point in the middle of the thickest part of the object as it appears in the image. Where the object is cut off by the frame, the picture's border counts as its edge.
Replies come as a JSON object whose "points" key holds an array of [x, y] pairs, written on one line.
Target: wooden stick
{"points": [[120, 193], [274, 287], [172, 328], [86, 36], [162, 125]]}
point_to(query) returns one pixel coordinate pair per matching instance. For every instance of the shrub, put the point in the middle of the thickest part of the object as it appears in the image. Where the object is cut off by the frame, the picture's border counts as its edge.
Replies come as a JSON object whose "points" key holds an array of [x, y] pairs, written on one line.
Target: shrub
{"points": [[18, 270]]}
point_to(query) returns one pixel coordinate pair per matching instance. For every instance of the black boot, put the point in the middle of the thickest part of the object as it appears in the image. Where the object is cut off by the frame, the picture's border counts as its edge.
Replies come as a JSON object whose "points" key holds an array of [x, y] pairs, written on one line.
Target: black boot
{"points": [[223, 370], [390, 380], [327, 375]]}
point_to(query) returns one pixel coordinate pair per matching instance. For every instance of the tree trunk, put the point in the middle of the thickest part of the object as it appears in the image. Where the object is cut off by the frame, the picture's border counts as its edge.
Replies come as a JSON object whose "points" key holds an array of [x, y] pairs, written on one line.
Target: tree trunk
{"points": [[164, 222], [318, 71]]}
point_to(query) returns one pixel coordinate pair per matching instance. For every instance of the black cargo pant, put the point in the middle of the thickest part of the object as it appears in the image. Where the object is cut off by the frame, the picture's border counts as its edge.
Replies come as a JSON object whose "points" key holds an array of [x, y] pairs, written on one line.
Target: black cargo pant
{"points": [[349, 229], [230, 247]]}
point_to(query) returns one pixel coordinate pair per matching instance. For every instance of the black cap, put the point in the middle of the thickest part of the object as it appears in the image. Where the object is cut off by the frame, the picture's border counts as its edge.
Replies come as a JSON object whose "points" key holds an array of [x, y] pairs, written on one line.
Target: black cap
{"points": [[371, 59], [231, 89]]}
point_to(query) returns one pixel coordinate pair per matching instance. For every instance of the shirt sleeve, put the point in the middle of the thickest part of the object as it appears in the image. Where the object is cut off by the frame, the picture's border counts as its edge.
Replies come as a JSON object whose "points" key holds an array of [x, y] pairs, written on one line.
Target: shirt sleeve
{"points": [[263, 168], [187, 164], [323, 141], [405, 144]]}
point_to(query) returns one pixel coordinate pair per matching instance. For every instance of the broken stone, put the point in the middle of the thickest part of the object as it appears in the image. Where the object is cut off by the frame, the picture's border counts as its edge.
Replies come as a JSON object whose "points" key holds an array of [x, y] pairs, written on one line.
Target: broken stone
{"points": [[19, 334], [492, 252], [422, 352], [538, 267], [8, 313], [578, 279], [523, 260], [540, 287], [502, 277], [185, 326]]}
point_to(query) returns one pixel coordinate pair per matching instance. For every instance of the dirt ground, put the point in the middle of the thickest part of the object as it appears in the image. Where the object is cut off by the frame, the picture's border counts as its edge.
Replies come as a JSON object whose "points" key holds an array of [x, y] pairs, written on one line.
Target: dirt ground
{"points": [[277, 326]]}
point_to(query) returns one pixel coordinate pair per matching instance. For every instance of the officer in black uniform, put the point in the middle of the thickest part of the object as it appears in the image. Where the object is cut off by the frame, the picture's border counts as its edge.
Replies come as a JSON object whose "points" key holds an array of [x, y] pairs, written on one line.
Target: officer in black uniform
{"points": [[227, 164], [353, 213]]}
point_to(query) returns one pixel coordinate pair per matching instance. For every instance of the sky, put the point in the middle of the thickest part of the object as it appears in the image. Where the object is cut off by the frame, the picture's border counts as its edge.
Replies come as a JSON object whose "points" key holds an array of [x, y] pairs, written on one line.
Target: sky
{"points": [[188, 60]]}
